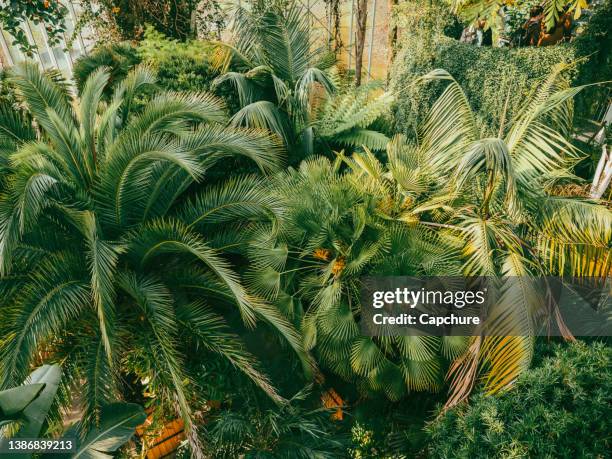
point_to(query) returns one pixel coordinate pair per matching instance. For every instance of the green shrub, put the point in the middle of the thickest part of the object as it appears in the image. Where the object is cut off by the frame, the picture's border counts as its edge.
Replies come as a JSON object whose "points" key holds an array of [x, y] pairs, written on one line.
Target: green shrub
{"points": [[559, 409], [595, 41], [490, 76], [180, 66]]}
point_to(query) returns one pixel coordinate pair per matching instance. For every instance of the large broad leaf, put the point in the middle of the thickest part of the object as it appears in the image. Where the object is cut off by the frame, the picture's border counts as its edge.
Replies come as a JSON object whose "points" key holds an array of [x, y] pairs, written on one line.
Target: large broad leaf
{"points": [[14, 401], [35, 413], [118, 422]]}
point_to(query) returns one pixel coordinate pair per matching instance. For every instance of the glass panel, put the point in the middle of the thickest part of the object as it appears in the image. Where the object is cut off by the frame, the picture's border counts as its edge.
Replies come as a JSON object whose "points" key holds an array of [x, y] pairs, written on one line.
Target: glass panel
{"points": [[5, 57], [61, 59], [41, 45], [87, 33], [75, 48], [16, 55]]}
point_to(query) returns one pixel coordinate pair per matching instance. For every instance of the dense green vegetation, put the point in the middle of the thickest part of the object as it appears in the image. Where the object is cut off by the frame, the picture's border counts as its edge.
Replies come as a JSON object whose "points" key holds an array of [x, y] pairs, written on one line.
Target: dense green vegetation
{"points": [[496, 80], [494, 95], [453, 204], [180, 66], [187, 231], [286, 85], [561, 408], [30, 407], [94, 211]]}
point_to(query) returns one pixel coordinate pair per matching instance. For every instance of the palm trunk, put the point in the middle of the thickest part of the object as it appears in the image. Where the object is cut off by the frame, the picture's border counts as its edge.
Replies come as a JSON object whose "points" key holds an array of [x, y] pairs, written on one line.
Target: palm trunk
{"points": [[362, 17], [392, 39]]}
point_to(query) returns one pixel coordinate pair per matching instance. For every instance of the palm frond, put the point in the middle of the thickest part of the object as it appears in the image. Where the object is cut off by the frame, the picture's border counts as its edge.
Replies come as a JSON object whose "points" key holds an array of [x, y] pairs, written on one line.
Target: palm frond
{"points": [[126, 175], [139, 78], [264, 115], [157, 306], [285, 40], [171, 236], [246, 199], [450, 125], [574, 237], [40, 94], [55, 295], [15, 129], [215, 335], [102, 258], [101, 388], [246, 89], [88, 106], [216, 142], [173, 112]]}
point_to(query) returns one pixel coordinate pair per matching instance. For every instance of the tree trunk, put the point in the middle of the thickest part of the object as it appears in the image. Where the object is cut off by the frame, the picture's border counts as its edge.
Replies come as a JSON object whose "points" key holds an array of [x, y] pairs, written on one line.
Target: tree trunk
{"points": [[360, 36], [392, 39], [333, 7], [603, 174]]}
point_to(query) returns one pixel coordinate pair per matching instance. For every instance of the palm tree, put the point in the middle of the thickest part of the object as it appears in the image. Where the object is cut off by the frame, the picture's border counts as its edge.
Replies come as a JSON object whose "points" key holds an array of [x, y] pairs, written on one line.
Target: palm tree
{"points": [[109, 249], [504, 198], [452, 203], [339, 226], [118, 58], [288, 85]]}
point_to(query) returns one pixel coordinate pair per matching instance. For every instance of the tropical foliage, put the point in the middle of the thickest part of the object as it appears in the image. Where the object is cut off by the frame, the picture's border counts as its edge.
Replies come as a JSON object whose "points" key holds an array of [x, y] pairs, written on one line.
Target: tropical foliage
{"points": [[290, 430], [553, 9], [179, 66], [26, 411], [289, 86], [455, 203], [27, 405], [156, 251], [118, 58], [14, 15], [106, 252], [493, 95]]}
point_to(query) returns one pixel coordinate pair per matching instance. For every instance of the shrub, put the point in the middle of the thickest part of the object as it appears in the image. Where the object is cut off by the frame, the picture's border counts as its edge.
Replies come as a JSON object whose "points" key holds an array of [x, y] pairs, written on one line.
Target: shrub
{"points": [[595, 41], [493, 78], [181, 66], [492, 75], [559, 409]]}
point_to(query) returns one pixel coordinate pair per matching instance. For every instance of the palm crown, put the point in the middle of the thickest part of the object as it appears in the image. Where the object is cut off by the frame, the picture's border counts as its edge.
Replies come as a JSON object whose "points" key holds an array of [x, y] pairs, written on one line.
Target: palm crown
{"points": [[289, 86], [106, 248]]}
